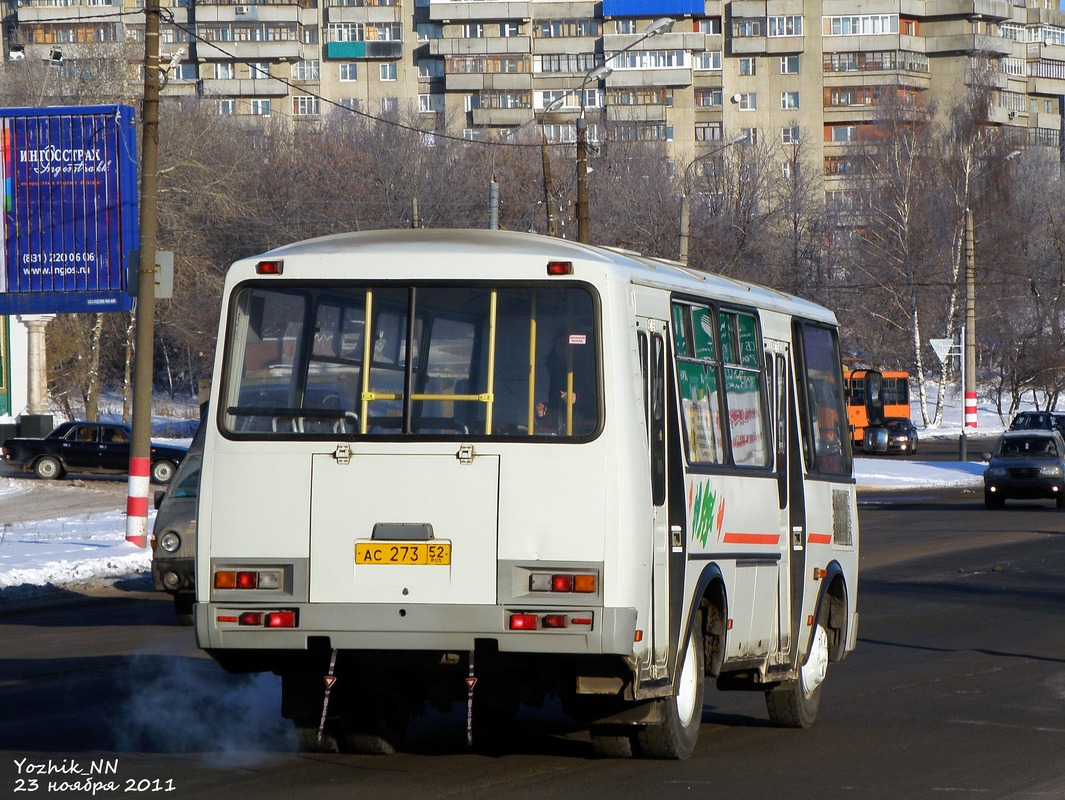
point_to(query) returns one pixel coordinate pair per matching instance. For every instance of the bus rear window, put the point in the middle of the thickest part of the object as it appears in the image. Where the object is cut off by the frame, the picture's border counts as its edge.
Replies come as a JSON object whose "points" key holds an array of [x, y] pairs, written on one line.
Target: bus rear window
{"points": [[344, 361]]}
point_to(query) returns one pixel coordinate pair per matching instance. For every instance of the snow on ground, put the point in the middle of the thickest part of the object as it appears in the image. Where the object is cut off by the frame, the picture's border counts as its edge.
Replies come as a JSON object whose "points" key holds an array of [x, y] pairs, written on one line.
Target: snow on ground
{"points": [[93, 546]]}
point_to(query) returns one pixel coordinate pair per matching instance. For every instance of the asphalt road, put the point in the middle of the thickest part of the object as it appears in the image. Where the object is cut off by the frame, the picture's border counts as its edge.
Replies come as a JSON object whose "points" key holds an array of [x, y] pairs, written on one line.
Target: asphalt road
{"points": [[957, 689]]}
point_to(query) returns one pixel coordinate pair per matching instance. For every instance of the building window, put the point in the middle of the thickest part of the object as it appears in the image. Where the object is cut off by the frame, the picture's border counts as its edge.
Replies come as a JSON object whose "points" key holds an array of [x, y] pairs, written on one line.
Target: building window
{"points": [[509, 29], [473, 30], [350, 103], [259, 70], [750, 135], [746, 28], [710, 26], [748, 66], [789, 100], [784, 26], [304, 106], [708, 131], [748, 101], [260, 108], [842, 133], [625, 26], [349, 72], [789, 65], [429, 30], [867, 25], [388, 71], [305, 70], [226, 107], [389, 105], [789, 135], [709, 60], [430, 68], [556, 28], [431, 103], [707, 98], [223, 71]]}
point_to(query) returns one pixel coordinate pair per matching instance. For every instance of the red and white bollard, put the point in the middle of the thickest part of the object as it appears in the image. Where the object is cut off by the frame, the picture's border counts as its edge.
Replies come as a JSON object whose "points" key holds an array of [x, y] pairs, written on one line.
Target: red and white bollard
{"points": [[970, 409], [137, 502]]}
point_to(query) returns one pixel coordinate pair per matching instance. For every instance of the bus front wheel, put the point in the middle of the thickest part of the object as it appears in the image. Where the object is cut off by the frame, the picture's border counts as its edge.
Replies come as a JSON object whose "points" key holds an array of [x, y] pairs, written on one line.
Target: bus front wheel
{"points": [[682, 714], [794, 704]]}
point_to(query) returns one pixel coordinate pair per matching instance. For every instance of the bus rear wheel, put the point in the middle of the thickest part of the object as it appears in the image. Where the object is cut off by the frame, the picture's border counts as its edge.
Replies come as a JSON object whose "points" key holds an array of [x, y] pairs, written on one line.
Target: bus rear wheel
{"points": [[682, 714], [794, 704]]}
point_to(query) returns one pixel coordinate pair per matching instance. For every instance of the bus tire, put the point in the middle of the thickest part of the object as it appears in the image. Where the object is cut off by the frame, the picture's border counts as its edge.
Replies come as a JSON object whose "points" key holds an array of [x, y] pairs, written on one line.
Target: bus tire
{"points": [[608, 742], [794, 704], [307, 738], [682, 714]]}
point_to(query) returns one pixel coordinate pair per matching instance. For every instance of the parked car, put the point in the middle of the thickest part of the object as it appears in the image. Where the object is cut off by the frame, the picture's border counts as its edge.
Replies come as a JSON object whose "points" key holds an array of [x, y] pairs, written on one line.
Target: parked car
{"points": [[893, 435], [94, 447], [1026, 464], [174, 537], [1039, 420]]}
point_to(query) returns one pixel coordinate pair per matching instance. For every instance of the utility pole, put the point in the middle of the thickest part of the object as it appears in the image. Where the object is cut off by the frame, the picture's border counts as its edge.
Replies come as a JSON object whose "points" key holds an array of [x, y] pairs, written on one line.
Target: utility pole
{"points": [[549, 202], [970, 322], [583, 215], [140, 450]]}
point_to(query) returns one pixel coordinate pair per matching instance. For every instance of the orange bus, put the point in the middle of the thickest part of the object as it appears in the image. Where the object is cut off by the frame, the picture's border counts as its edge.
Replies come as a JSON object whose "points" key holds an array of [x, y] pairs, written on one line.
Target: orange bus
{"points": [[873, 395]]}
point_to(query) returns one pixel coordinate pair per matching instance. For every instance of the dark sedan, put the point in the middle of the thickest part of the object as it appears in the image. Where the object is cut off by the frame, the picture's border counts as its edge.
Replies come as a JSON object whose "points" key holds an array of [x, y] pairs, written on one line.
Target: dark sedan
{"points": [[893, 435], [93, 447], [1026, 464]]}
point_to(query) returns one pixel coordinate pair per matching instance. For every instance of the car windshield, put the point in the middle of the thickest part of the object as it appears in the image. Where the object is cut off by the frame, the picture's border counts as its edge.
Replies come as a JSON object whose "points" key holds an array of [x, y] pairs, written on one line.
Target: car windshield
{"points": [[1026, 447]]}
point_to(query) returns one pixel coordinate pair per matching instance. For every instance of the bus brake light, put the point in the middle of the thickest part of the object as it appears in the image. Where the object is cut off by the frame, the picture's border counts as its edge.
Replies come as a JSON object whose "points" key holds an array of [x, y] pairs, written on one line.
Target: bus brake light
{"points": [[523, 622], [270, 267], [281, 619]]}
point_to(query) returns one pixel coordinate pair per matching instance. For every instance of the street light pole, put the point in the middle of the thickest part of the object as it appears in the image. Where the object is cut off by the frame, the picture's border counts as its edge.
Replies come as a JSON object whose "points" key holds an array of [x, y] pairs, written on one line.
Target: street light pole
{"points": [[970, 322], [685, 203], [140, 447], [660, 25]]}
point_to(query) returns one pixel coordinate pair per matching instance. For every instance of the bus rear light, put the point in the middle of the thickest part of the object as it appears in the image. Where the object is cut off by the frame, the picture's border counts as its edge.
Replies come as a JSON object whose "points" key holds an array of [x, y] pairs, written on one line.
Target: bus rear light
{"points": [[586, 621], [251, 618], [225, 580], [270, 267], [247, 580], [562, 582], [281, 619], [523, 622], [555, 621], [559, 267]]}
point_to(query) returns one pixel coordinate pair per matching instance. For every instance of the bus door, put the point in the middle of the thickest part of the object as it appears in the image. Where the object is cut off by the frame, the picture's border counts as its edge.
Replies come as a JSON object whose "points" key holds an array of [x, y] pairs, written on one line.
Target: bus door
{"points": [[790, 499], [653, 353]]}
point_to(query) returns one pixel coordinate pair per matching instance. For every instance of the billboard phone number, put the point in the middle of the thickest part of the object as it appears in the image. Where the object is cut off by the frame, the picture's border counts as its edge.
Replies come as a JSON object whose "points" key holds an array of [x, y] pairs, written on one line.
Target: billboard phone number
{"points": [[58, 258]]}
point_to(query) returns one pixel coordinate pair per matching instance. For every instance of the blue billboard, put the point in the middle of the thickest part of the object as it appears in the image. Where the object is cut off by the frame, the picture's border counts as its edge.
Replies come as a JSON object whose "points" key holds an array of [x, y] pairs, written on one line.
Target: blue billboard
{"points": [[70, 222], [654, 8]]}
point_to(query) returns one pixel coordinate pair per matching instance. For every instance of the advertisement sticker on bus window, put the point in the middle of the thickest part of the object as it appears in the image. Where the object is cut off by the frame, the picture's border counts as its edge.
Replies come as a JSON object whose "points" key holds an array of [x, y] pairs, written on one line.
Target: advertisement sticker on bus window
{"points": [[578, 338]]}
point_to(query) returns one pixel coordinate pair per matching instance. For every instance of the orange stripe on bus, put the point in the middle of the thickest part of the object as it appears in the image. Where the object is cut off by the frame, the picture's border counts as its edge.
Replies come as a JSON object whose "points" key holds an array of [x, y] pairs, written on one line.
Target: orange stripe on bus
{"points": [[819, 538], [752, 538]]}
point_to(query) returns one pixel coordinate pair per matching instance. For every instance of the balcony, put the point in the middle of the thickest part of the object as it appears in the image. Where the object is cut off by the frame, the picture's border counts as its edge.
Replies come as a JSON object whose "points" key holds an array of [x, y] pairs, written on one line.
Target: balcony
{"points": [[350, 51], [651, 113], [652, 78], [981, 9], [365, 14], [244, 88], [614, 42], [501, 117], [239, 13], [461, 11], [250, 51], [36, 13], [494, 45], [479, 81], [969, 43]]}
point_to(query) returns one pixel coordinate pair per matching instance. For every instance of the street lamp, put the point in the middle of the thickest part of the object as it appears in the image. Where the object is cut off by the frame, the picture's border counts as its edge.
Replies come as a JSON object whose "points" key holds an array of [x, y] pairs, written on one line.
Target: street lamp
{"points": [[685, 203], [660, 25]]}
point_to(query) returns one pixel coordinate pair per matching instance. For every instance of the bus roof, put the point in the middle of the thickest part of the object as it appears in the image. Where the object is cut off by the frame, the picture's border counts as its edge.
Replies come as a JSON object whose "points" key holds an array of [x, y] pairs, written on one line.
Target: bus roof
{"points": [[411, 246]]}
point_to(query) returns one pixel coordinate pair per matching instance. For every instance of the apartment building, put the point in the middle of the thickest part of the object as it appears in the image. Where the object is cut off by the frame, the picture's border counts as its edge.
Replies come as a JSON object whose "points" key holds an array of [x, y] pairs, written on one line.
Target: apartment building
{"points": [[815, 71]]}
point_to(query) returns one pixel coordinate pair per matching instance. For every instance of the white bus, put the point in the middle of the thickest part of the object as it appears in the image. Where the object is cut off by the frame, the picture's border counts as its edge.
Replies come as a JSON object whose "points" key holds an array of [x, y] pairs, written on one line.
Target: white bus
{"points": [[493, 467]]}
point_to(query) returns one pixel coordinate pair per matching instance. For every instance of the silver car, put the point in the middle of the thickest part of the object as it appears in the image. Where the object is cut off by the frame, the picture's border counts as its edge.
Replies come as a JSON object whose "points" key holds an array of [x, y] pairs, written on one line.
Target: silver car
{"points": [[1026, 464]]}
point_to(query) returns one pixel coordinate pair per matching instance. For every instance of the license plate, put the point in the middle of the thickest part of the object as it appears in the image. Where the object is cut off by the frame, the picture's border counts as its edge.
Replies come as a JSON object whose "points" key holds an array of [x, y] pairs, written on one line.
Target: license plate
{"points": [[403, 553]]}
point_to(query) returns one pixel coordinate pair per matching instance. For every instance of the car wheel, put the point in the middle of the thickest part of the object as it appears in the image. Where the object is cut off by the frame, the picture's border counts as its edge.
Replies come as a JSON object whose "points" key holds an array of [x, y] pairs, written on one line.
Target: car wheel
{"points": [[48, 468], [1061, 501], [163, 471], [993, 501]]}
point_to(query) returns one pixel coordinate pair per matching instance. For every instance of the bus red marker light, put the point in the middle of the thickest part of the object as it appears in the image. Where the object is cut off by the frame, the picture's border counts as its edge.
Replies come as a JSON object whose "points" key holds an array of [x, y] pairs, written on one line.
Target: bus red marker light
{"points": [[227, 618], [559, 267], [270, 268], [247, 580], [254, 618], [281, 619], [523, 622], [561, 583], [588, 621], [555, 621]]}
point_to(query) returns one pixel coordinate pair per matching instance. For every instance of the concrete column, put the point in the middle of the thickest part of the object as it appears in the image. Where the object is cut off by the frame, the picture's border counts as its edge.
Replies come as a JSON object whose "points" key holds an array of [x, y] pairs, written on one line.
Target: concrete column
{"points": [[37, 363]]}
